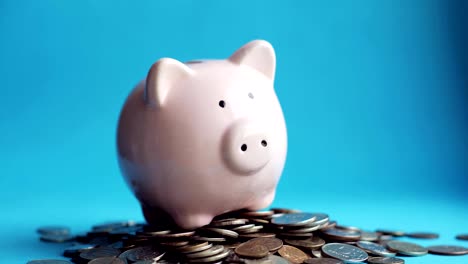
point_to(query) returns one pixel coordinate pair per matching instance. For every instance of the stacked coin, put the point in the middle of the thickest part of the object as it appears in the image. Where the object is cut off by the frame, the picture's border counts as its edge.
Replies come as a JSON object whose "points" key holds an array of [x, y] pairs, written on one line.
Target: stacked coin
{"points": [[251, 237]]}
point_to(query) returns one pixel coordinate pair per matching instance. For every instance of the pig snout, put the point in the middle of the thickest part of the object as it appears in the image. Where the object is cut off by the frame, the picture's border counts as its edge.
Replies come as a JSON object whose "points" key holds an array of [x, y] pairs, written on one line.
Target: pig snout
{"points": [[246, 147]]}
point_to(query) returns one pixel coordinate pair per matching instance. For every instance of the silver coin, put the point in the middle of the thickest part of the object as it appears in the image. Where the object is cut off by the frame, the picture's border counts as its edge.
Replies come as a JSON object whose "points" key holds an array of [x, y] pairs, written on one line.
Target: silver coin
{"points": [[222, 232], [311, 243], [320, 218], [448, 250], [369, 236], [208, 239], [107, 260], [154, 233], [254, 235], [406, 248], [259, 221], [296, 235], [265, 260], [53, 230], [462, 237], [349, 228], [214, 258], [374, 249], [228, 222], [195, 248], [294, 219], [423, 235], [206, 253], [100, 241], [175, 243], [385, 260], [273, 216], [77, 249], [385, 238], [124, 231], [149, 262], [328, 225], [253, 229], [219, 220], [342, 235], [242, 227], [123, 256], [232, 245], [174, 234], [98, 252], [316, 253], [145, 253], [396, 233], [277, 259], [345, 252], [323, 261], [233, 257], [304, 230], [113, 225]]}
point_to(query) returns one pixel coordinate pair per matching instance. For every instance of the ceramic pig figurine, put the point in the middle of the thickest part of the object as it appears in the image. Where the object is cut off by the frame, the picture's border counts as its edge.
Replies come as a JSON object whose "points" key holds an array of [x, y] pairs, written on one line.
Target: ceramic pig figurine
{"points": [[202, 138]]}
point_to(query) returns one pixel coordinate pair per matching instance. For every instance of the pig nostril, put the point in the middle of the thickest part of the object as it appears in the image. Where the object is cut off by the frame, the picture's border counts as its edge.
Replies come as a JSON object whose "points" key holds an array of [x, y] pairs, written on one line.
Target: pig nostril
{"points": [[244, 147], [264, 143]]}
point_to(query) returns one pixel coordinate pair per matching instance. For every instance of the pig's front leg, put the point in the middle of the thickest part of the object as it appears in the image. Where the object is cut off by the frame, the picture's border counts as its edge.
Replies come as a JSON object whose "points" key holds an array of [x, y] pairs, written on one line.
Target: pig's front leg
{"points": [[263, 202], [156, 216]]}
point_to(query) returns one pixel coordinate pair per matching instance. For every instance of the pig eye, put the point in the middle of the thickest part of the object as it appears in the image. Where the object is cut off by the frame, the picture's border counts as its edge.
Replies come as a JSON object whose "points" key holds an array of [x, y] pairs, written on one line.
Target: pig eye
{"points": [[251, 95], [222, 104]]}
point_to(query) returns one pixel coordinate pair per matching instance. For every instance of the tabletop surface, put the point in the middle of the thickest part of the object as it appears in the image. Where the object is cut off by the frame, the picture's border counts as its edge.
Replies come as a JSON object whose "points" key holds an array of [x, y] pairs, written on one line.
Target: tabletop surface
{"points": [[20, 242]]}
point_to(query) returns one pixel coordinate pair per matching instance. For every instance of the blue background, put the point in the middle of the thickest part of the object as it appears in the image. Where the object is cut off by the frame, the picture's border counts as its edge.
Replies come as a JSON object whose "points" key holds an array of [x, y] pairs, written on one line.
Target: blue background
{"points": [[374, 94]]}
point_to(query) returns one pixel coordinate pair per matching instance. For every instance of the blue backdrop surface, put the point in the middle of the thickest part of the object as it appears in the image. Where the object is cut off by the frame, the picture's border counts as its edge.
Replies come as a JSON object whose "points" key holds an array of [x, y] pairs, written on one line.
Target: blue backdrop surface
{"points": [[374, 95]]}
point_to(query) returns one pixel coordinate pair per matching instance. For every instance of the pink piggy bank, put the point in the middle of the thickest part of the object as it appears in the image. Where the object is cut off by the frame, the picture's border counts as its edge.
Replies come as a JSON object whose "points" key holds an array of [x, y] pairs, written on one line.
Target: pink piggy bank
{"points": [[202, 138]]}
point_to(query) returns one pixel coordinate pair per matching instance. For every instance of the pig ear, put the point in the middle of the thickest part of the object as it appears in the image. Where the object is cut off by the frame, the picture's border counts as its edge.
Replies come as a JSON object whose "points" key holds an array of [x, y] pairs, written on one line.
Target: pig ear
{"points": [[258, 54], [161, 78]]}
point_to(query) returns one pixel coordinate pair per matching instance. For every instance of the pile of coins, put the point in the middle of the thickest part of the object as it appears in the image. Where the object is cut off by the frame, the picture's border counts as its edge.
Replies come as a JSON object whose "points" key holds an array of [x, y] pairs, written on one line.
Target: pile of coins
{"points": [[277, 236]]}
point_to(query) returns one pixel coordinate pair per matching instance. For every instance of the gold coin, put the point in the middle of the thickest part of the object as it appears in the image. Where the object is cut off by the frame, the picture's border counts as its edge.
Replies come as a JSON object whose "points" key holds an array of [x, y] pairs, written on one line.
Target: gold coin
{"points": [[292, 254], [249, 250]]}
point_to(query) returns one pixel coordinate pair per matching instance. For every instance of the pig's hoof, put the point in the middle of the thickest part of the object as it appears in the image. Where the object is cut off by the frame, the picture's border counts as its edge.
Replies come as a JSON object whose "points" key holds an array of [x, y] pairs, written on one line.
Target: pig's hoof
{"points": [[193, 221], [263, 202], [156, 216]]}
